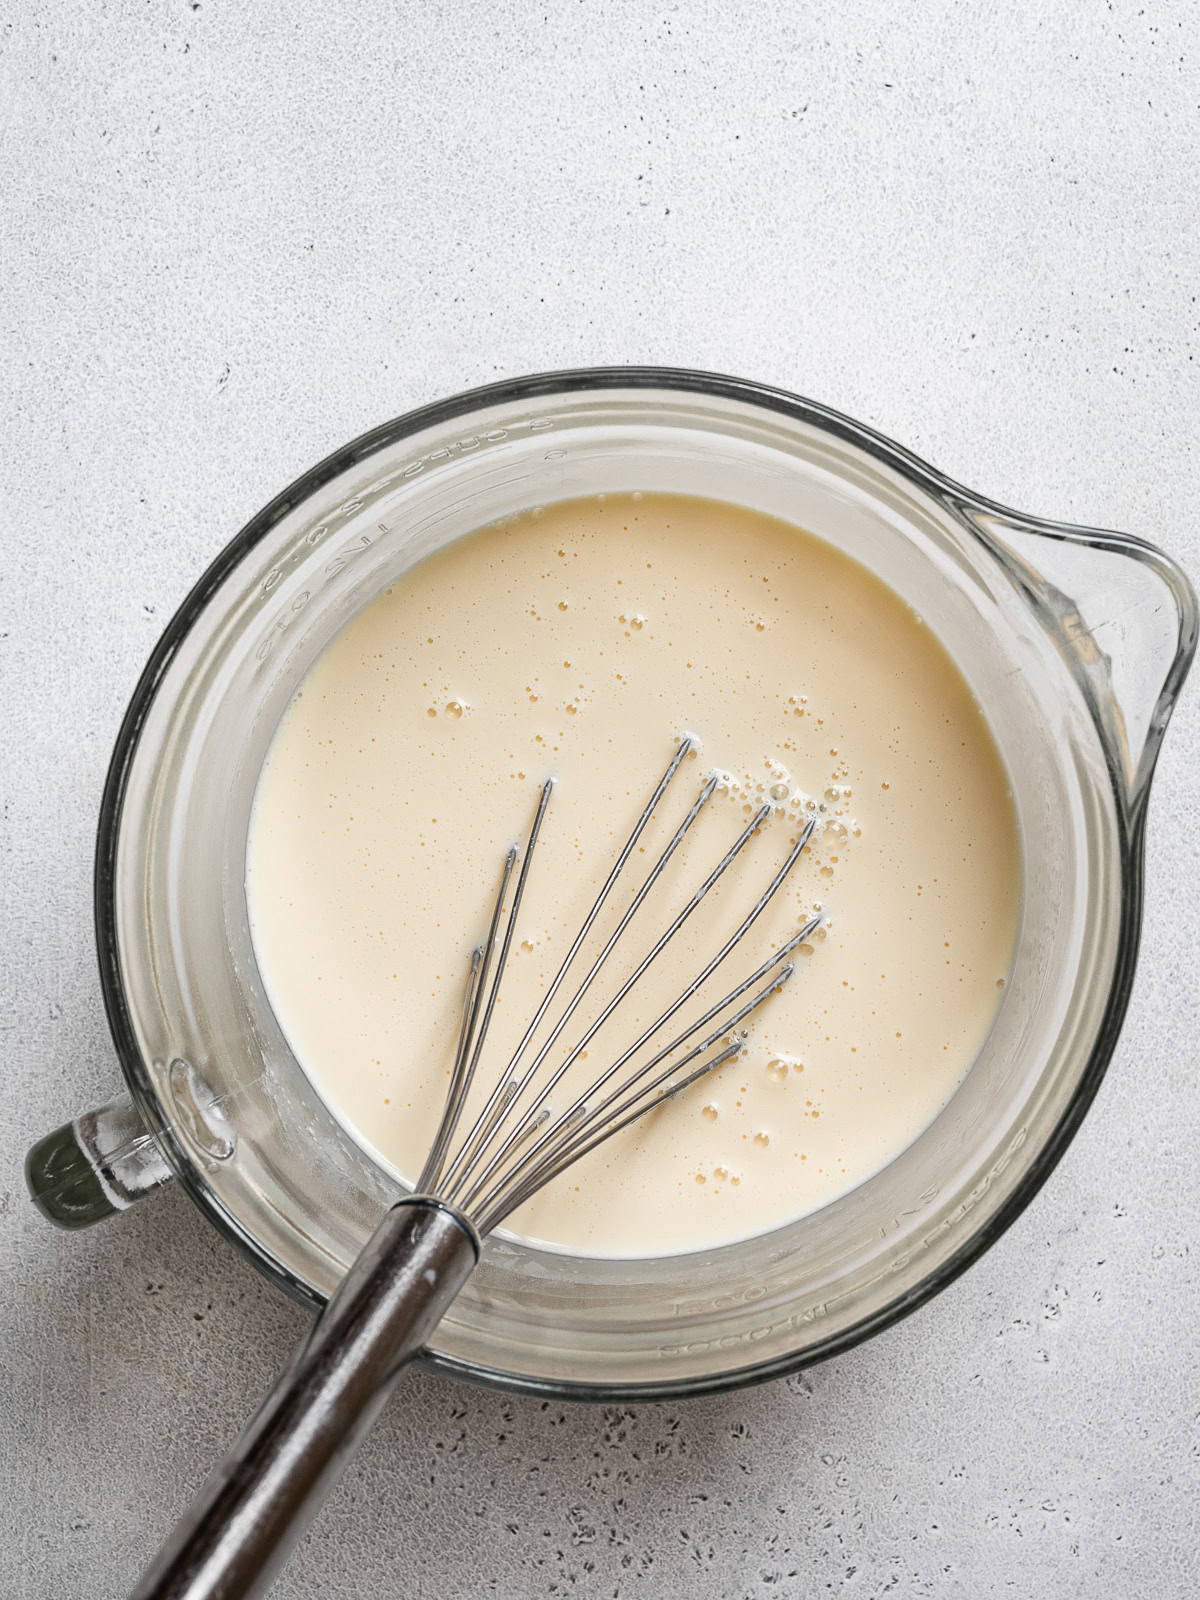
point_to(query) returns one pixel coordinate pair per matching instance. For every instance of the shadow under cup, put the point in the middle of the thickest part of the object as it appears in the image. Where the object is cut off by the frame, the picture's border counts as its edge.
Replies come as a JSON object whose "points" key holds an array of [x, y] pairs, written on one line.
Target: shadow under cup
{"points": [[214, 1076]]}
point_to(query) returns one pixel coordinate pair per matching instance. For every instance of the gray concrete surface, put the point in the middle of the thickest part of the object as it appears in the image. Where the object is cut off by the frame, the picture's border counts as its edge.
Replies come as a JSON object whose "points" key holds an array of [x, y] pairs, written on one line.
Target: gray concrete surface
{"points": [[234, 236]]}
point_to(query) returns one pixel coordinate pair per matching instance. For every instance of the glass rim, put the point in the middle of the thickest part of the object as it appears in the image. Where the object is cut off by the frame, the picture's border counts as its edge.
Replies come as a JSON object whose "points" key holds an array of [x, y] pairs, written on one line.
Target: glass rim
{"points": [[1130, 820]]}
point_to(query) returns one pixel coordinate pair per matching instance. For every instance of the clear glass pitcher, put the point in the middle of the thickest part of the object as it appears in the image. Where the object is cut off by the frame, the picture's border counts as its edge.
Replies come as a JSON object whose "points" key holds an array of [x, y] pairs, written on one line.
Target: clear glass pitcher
{"points": [[1076, 643]]}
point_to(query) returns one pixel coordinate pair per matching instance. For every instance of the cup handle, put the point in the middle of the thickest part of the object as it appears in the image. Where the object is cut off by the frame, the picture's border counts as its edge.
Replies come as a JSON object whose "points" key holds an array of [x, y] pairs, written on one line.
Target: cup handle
{"points": [[95, 1165]]}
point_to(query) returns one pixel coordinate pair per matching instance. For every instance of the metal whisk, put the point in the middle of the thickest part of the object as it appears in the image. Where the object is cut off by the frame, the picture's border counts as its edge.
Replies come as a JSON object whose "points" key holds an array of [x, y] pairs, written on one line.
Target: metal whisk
{"points": [[257, 1503]]}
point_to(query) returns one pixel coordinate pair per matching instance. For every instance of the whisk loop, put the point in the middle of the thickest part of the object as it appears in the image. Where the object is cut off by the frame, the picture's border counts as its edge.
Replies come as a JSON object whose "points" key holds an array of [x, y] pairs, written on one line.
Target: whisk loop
{"points": [[517, 1144]]}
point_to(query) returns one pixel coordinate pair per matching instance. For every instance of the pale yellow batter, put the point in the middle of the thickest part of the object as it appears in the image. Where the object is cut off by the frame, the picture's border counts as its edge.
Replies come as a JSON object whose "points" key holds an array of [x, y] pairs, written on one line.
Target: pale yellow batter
{"points": [[583, 640]]}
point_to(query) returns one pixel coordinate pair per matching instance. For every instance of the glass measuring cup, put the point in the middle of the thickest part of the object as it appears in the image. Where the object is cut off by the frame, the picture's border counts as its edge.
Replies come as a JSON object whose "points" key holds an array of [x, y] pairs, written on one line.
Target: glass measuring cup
{"points": [[1076, 643]]}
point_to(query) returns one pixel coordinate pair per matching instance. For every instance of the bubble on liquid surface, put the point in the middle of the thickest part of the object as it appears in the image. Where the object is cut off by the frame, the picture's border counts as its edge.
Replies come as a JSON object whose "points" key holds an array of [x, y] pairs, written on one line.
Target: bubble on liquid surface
{"points": [[779, 791], [720, 1174], [709, 1112], [762, 1139], [637, 620], [777, 1069]]}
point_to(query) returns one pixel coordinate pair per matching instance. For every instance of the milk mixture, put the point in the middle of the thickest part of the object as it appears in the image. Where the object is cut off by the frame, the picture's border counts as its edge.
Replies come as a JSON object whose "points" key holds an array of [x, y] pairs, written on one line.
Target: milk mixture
{"points": [[584, 640]]}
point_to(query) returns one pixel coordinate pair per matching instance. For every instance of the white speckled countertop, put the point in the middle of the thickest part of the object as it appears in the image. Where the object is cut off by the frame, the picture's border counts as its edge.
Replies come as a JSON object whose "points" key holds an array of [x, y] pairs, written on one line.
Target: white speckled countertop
{"points": [[234, 237]]}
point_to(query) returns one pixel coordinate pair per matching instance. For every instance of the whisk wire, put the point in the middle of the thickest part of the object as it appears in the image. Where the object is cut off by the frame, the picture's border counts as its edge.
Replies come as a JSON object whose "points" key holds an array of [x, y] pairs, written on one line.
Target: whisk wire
{"points": [[522, 1180], [471, 1042], [460, 1167], [680, 1001], [512, 1150], [548, 1044], [550, 1169], [719, 1008], [437, 1152], [635, 977]]}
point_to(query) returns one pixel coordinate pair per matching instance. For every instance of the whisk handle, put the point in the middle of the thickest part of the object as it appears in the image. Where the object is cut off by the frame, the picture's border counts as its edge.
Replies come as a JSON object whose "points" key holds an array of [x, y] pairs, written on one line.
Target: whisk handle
{"points": [[252, 1510]]}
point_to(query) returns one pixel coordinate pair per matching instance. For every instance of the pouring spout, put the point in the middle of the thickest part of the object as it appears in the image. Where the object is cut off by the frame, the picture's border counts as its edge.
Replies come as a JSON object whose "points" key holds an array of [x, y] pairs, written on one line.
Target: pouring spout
{"points": [[1123, 614]]}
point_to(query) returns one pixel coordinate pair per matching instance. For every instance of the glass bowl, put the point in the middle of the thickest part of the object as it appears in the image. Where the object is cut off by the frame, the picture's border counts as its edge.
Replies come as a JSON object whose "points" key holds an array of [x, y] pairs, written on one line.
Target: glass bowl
{"points": [[1076, 643]]}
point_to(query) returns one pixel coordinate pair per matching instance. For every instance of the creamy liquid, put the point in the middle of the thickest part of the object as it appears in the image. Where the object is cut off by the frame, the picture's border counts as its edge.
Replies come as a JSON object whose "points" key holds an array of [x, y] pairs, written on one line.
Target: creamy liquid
{"points": [[582, 641]]}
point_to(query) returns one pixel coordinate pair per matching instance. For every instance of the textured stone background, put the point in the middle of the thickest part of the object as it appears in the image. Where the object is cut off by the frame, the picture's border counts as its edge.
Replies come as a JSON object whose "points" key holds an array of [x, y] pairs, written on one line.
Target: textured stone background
{"points": [[234, 236]]}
